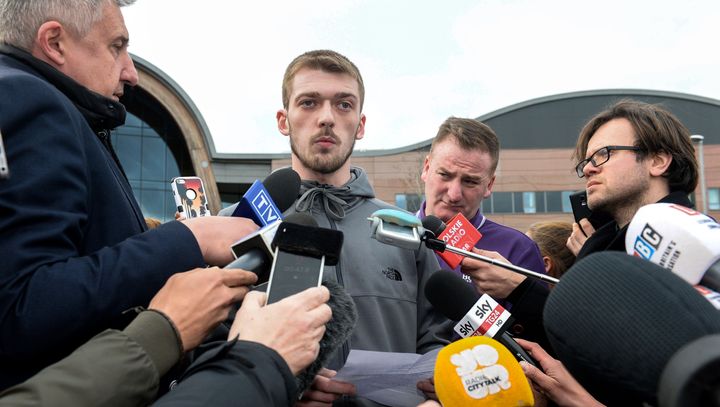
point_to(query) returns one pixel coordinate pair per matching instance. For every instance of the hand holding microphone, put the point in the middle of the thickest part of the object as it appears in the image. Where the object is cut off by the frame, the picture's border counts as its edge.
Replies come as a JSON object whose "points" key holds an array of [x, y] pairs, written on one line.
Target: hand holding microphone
{"points": [[554, 381], [488, 278], [215, 234], [401, 229], [260, 206], [197, 301], [292, 327]]}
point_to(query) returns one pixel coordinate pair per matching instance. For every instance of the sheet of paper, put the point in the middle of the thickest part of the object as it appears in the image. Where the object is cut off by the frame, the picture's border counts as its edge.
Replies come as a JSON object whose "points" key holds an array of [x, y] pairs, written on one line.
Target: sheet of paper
{"points": [[388, 378]]}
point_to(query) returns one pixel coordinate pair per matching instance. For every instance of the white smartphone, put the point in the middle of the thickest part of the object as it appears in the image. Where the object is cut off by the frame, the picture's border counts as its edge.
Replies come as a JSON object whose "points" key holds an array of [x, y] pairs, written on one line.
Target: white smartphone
{"points": [[190, 199]]}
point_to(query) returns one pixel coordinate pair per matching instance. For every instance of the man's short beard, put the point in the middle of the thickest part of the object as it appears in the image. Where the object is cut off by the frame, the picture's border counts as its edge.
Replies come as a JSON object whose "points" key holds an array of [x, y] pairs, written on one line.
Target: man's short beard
{"points": [[318, 163], [623, 201]]}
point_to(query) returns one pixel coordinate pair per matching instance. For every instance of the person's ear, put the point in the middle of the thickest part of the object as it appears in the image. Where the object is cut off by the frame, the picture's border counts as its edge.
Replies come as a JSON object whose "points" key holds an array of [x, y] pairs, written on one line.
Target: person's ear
{"points": [[488, 191], [50, 43], [659, 163], [425, 169], [360, 133], [282, 122], [548, 264]]}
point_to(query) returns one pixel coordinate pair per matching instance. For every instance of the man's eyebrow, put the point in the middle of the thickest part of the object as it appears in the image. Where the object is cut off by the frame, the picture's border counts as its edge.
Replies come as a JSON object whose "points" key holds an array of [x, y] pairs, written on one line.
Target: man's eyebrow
{"points": [[307, 94], [345, 95], [473, 177], [443, 169]]}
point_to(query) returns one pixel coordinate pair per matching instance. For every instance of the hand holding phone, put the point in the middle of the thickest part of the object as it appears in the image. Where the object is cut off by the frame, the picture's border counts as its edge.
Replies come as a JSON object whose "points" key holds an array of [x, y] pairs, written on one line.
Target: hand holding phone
{"points": [[578, 201], [189, 195]]}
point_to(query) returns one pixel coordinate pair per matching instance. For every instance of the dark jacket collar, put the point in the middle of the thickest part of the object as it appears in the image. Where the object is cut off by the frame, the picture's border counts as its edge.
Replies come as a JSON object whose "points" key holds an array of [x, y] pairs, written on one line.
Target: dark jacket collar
{"points": [[609, 237], [100, 112]]}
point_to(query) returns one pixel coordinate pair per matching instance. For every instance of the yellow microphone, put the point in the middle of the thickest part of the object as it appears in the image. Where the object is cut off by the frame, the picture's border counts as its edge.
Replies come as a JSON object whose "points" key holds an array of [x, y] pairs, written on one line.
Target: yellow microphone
{"points": [[479, 371]]}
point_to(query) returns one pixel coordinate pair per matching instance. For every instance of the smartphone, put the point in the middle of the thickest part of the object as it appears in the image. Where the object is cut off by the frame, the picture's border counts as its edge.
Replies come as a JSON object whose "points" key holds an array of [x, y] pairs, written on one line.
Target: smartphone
{"points": [[578, 201], [189, 194], [292, 273]]}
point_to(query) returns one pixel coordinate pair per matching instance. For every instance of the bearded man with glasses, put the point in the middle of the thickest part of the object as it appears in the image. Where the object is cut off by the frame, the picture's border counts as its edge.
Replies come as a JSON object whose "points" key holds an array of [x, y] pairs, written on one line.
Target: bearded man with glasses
{"points": [[632, 154]]}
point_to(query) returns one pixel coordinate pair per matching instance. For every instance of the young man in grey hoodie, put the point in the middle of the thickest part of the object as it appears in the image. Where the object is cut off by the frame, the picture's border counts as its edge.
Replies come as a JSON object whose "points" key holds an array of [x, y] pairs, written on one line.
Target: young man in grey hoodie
{"points": [[323, 96]]}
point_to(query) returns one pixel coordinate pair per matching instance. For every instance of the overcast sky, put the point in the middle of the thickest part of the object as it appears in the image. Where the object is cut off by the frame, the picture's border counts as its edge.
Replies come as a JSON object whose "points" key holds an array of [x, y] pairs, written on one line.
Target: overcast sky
{"points": [[422, 61]]}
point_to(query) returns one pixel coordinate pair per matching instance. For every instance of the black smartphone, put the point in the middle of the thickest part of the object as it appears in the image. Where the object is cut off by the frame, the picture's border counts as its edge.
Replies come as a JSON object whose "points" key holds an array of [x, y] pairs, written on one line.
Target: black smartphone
{"points": [[292, 273], [578, 201]]}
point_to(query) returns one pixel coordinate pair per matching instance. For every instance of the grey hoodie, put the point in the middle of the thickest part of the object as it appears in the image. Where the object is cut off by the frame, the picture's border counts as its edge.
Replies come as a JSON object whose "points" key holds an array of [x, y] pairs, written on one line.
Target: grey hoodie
{"points": [[387, 283]]}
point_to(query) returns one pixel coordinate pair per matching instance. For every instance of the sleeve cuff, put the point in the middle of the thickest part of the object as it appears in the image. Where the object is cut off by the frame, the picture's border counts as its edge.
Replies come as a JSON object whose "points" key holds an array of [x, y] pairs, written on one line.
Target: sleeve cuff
{"points": [[156, 334]]}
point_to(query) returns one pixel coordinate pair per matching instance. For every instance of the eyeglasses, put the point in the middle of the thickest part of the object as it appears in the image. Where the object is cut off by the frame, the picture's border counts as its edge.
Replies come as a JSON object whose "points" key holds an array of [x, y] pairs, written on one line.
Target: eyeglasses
{"points": [[600, 157]]}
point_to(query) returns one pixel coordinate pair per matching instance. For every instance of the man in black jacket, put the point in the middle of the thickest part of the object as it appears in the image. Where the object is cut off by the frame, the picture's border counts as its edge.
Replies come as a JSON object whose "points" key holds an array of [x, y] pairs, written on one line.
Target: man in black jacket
{"points": [[632, 154], [75, 248]]}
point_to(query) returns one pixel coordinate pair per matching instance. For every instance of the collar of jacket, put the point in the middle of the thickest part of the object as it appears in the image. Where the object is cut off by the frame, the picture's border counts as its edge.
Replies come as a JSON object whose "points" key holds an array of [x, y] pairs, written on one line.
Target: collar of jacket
{"points": [[100, 112], [335, 200], [610, 237]]}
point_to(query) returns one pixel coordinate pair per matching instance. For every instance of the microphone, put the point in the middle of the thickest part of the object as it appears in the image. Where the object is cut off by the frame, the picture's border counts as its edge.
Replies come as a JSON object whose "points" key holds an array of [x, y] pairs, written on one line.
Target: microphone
{"points": [[437, 227], [458, 233], [479, 371], [616, 320], [476, 315], [677, 238], [264, 202], [254, 251], [692, 377], [397, 228], [301, 251], [434, 225], [337, 331]]}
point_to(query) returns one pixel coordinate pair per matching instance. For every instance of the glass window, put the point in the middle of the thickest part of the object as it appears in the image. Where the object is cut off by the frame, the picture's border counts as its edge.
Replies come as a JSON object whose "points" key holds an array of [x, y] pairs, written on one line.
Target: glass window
{"points": [[540, 201], [153, 159], [149, 165], [713, 199], [566, 206], [529, 204], [554, 201], [517, 202], [409, 202], [502, 202], [128, 149], [401, 201]]}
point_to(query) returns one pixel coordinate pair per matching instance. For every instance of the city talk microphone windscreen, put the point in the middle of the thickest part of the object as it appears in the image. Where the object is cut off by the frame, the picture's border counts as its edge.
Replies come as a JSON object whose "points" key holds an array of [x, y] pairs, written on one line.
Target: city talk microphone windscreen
{"points": [[615, 321], [479, 371]]}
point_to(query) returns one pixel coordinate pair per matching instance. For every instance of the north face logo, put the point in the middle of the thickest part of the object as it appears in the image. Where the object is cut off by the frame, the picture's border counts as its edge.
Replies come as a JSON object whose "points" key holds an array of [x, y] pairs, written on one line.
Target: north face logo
{"points": [[392, 274]]}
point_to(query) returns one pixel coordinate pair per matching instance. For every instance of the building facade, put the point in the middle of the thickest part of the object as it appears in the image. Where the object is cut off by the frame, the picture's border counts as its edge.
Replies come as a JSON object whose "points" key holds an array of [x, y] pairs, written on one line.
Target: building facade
{"points": [[165, 136]]}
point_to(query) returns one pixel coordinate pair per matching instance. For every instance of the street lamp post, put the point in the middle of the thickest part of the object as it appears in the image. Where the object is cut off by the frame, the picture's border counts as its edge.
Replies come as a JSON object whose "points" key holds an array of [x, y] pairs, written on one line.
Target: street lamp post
{"points": [[701, 162]]}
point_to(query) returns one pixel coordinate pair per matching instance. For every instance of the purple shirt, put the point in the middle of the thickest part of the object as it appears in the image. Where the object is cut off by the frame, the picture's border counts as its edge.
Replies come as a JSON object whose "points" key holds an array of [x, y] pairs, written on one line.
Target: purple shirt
{"points": [[512, 244]]}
